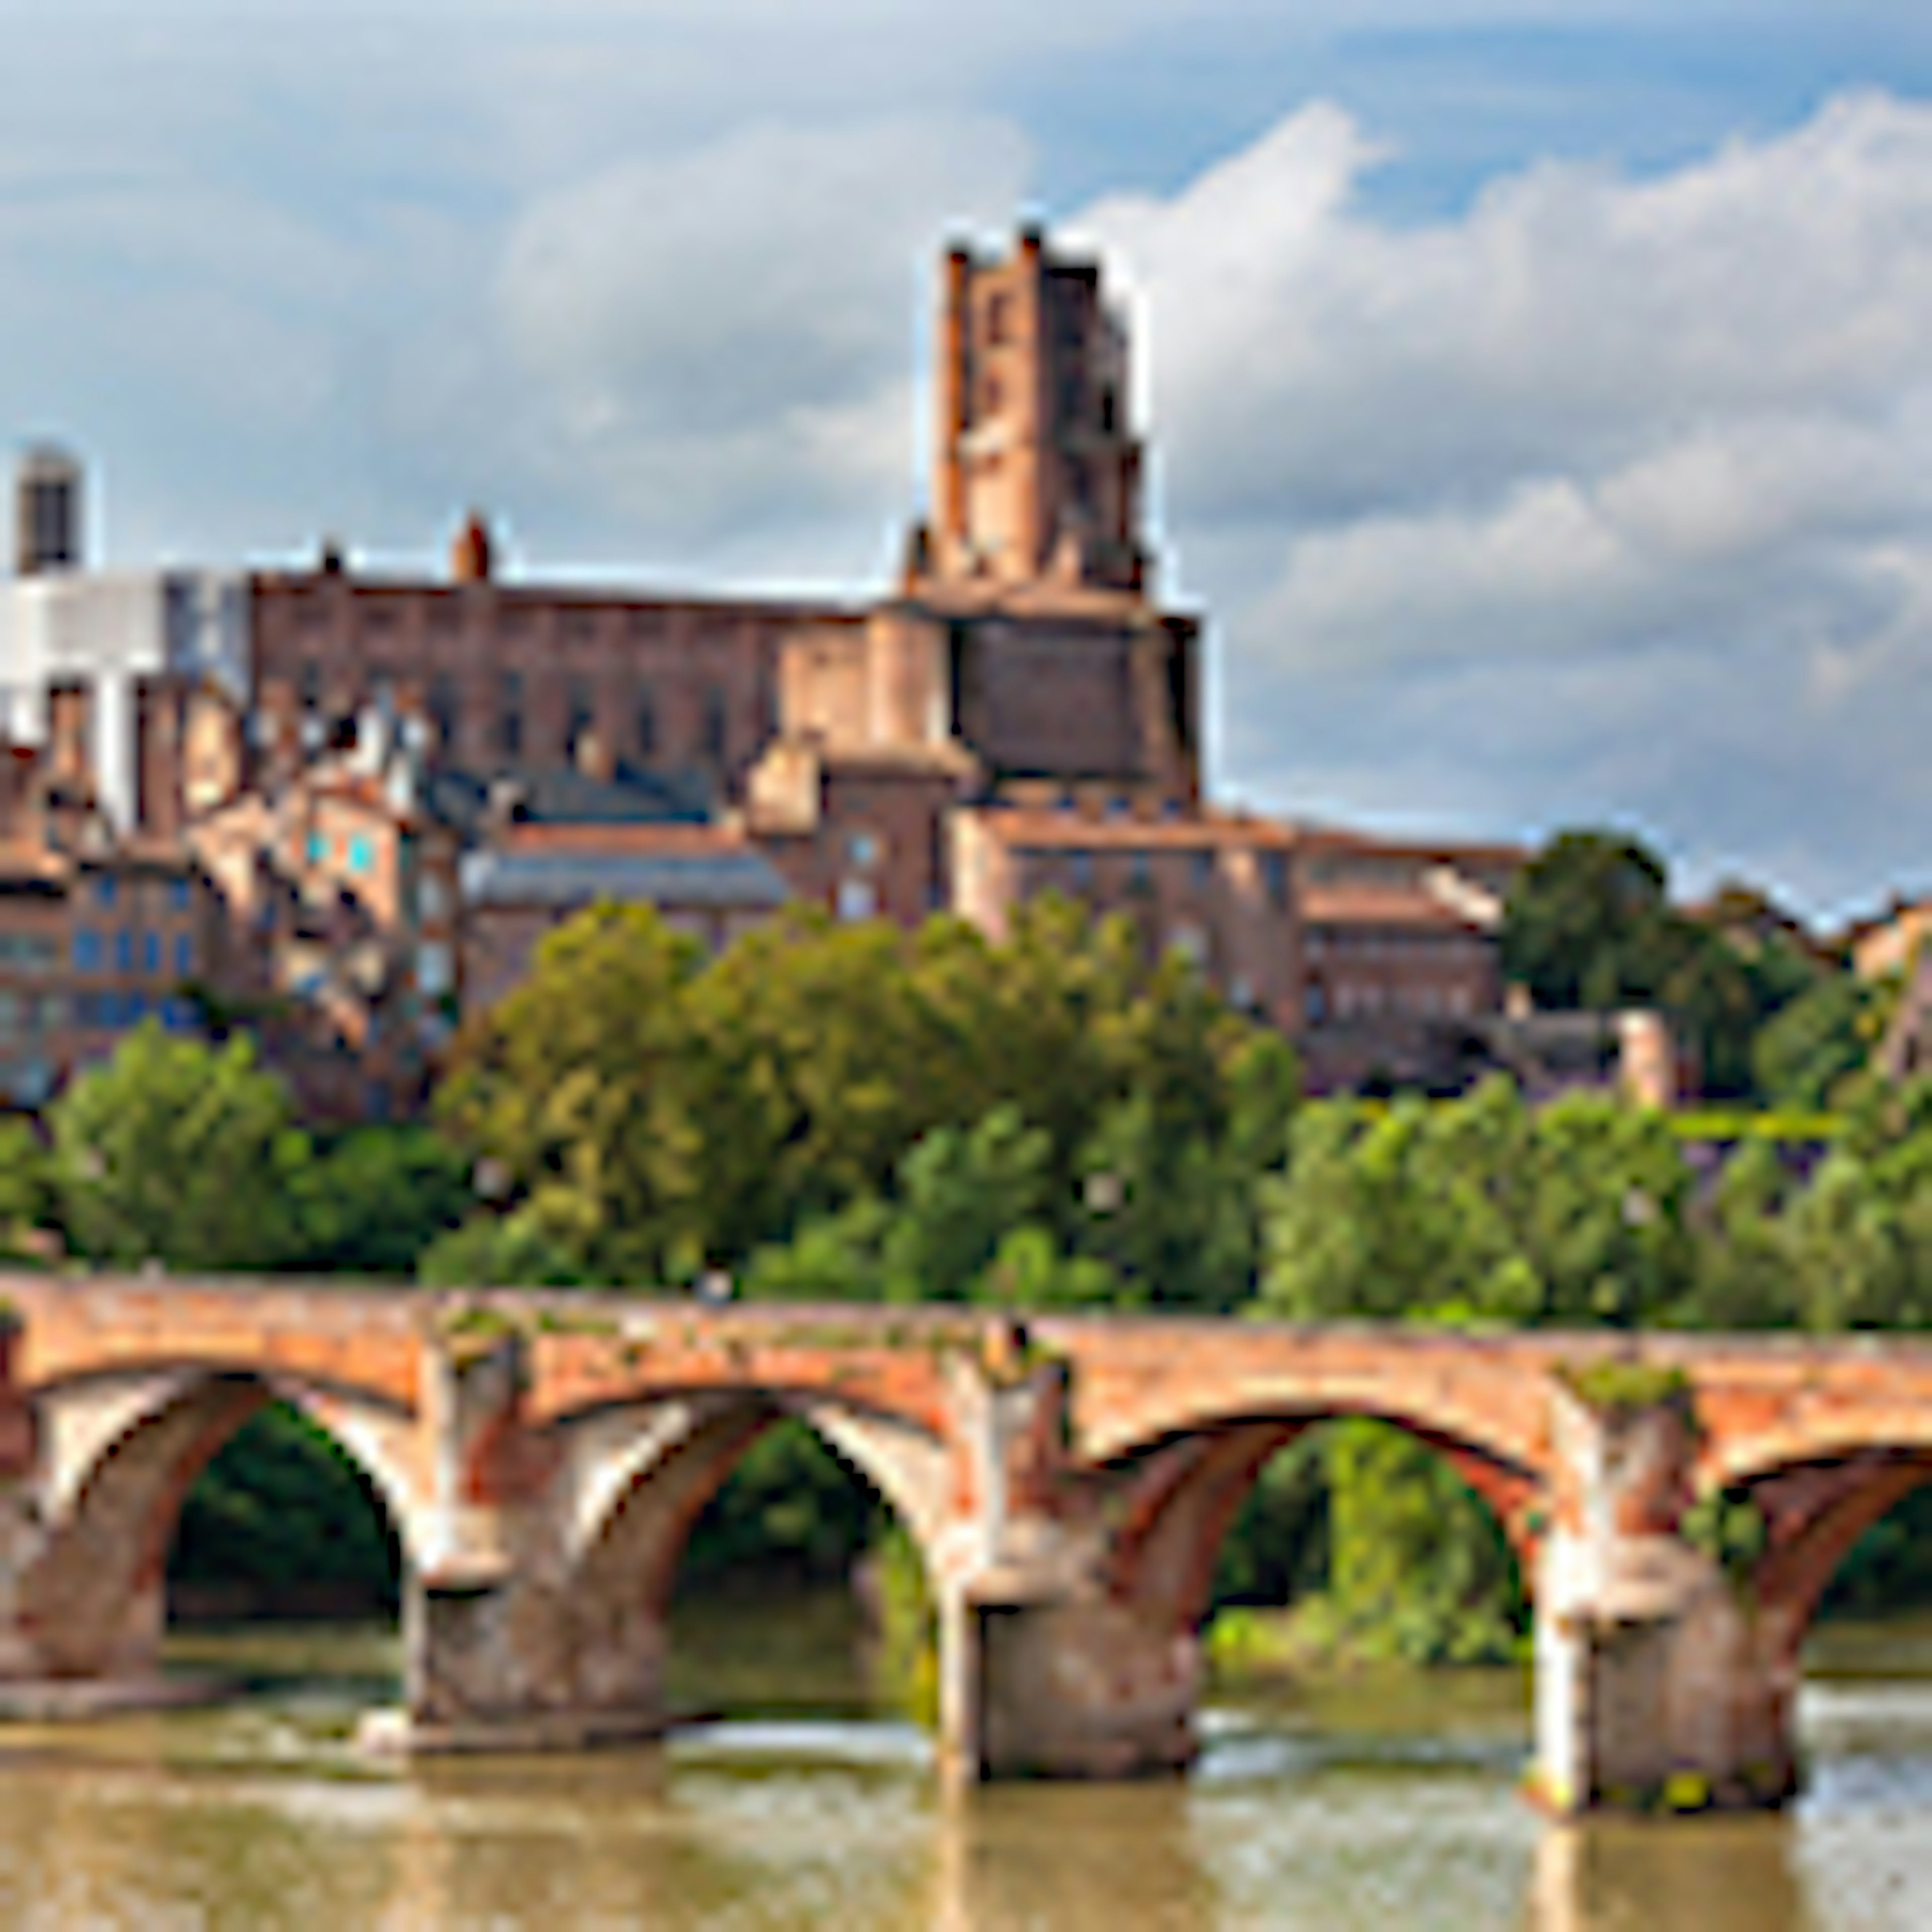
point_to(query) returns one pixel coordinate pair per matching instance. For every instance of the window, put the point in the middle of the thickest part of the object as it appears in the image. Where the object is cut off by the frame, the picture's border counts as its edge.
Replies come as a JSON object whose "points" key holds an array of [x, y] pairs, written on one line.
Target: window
{"points": [[124, 951], [510, 715], [579, 719], [433, 971], [856, 899], [999, 319], [862, 849], [318, 848], [361, 855], [87, 950], [1204, 867], [711, 727], [103, 889], [184, 956], [180, 895], [310, 685], [1080, 867], [645, 722], [1274, 876], [445, 708], [150, 952]]}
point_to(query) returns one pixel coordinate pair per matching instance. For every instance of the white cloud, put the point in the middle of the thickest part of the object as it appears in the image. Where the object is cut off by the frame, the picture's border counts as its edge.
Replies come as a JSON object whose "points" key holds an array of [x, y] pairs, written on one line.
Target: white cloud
{"points": [[724, 339], [1642, 468]]}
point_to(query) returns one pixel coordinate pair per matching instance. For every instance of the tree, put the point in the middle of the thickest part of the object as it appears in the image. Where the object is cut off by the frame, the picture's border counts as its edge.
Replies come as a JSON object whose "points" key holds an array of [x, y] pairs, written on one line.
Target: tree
{"points": [[26, 1184], [1587, 924], [1481, 1208], [654, 1115], [1822, 1037], [180, 1153], [1418, 1569], [582, 1086], [372, 1202]]}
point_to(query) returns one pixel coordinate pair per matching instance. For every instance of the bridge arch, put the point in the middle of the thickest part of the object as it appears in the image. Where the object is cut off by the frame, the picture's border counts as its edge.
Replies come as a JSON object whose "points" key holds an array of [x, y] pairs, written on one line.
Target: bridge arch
{"points": [[644, 1473], [119, 1454], [1176, 1496], [648, 1470], [1814, 1508]]}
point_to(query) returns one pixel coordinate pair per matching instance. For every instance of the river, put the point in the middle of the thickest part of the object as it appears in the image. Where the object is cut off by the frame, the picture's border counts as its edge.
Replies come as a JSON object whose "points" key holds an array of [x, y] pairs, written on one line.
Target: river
{"points": [[1387, 1803]]}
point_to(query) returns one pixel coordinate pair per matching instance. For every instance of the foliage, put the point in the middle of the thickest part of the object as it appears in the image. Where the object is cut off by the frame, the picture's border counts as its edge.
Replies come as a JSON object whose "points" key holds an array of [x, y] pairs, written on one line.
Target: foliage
{"points": [[373, 1201], [1730, 1529], [1419, 1571], [653, 1117], [1806, 1052], [27, 1200], [181, 1153], [1589, 925], [791, 1505], [280, 1503], [1620, 1389], [1481, 1210], [498, 1251], [1277, 1549]]}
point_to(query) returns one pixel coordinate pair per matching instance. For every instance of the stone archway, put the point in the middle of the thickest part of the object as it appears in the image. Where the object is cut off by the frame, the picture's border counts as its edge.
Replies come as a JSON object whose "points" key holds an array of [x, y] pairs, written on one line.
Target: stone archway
{"points": [[1172, 1503], [118, 1455]]}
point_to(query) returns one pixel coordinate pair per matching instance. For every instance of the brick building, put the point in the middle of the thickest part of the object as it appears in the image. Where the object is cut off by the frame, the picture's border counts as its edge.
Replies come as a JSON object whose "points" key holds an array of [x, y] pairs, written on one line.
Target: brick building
{"points": [[395, 785]]}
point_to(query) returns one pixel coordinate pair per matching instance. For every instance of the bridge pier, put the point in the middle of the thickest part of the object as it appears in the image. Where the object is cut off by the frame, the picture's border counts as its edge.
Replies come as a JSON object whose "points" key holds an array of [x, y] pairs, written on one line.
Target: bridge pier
{"points": [[509, 1642], [1076, 1689], [1045, 1671], [1657, 1685]]}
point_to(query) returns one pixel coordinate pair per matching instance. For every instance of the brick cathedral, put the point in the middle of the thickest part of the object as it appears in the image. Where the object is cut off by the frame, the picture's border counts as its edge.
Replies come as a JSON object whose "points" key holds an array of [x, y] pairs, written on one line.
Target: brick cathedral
{"points": [[371, 796]]}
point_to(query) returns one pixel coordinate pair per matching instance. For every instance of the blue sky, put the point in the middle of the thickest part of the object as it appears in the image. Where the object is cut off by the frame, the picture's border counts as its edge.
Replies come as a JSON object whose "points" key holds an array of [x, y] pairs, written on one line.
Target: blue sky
{"points": [[1541, 393]]}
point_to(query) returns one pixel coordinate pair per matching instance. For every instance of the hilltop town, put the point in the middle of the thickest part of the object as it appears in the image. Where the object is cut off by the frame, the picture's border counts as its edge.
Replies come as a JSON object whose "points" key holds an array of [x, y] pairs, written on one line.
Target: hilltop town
{"points": [[345, 807]]}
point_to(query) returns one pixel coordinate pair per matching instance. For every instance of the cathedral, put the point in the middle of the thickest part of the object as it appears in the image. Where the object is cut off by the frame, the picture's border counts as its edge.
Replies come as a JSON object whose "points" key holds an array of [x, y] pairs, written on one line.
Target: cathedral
{"points": [[460, 761]]}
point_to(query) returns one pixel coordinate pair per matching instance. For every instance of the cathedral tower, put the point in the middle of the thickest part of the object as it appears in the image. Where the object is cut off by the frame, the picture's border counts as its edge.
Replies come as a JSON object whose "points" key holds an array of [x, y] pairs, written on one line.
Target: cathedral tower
{"points": [[1037, 471]]}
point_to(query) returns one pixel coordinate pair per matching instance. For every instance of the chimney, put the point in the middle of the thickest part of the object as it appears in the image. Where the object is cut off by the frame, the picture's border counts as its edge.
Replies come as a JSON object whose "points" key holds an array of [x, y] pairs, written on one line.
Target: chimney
{"points": [[47, 512], [469, 554]]}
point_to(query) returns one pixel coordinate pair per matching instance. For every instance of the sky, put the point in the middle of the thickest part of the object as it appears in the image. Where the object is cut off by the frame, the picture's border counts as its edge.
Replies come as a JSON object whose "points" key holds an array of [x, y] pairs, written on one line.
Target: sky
{"points": [[1539, 391]]}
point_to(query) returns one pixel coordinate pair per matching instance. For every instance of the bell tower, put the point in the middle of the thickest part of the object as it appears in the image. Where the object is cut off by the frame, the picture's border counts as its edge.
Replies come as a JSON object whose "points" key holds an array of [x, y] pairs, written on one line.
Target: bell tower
{"points": [[1038, 474]]}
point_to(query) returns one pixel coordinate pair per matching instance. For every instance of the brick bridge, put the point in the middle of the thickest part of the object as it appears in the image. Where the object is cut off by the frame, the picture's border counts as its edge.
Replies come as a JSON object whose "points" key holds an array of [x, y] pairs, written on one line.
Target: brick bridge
{"points": [[1068, 1480]]}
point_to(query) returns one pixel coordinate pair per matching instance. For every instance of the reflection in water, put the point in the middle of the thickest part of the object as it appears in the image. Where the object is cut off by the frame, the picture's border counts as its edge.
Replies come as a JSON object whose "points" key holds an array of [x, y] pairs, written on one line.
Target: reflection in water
{"points": [[1688, 1875], [1368, 1804]]}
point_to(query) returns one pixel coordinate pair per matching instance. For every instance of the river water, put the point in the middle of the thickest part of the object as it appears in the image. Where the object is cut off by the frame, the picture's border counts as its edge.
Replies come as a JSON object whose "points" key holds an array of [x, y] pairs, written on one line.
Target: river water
{"points": [[1387, 1803]]}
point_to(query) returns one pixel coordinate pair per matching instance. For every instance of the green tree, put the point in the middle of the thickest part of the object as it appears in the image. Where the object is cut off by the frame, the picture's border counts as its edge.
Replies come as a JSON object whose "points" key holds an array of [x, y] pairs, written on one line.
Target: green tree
{"points": [[1482, 1208], [1419, 1570], [1808, 1051], [960, 1194], [1587, 923], [374, 1199], [27, 1199], [582, 1086], [489, 1250], [181, 1153]]}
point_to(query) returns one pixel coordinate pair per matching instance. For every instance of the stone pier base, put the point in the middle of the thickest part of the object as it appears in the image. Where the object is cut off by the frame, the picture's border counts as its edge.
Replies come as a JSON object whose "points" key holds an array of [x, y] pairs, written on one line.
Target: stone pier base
{"points": [[1072, 1689], [512, 1665]]}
